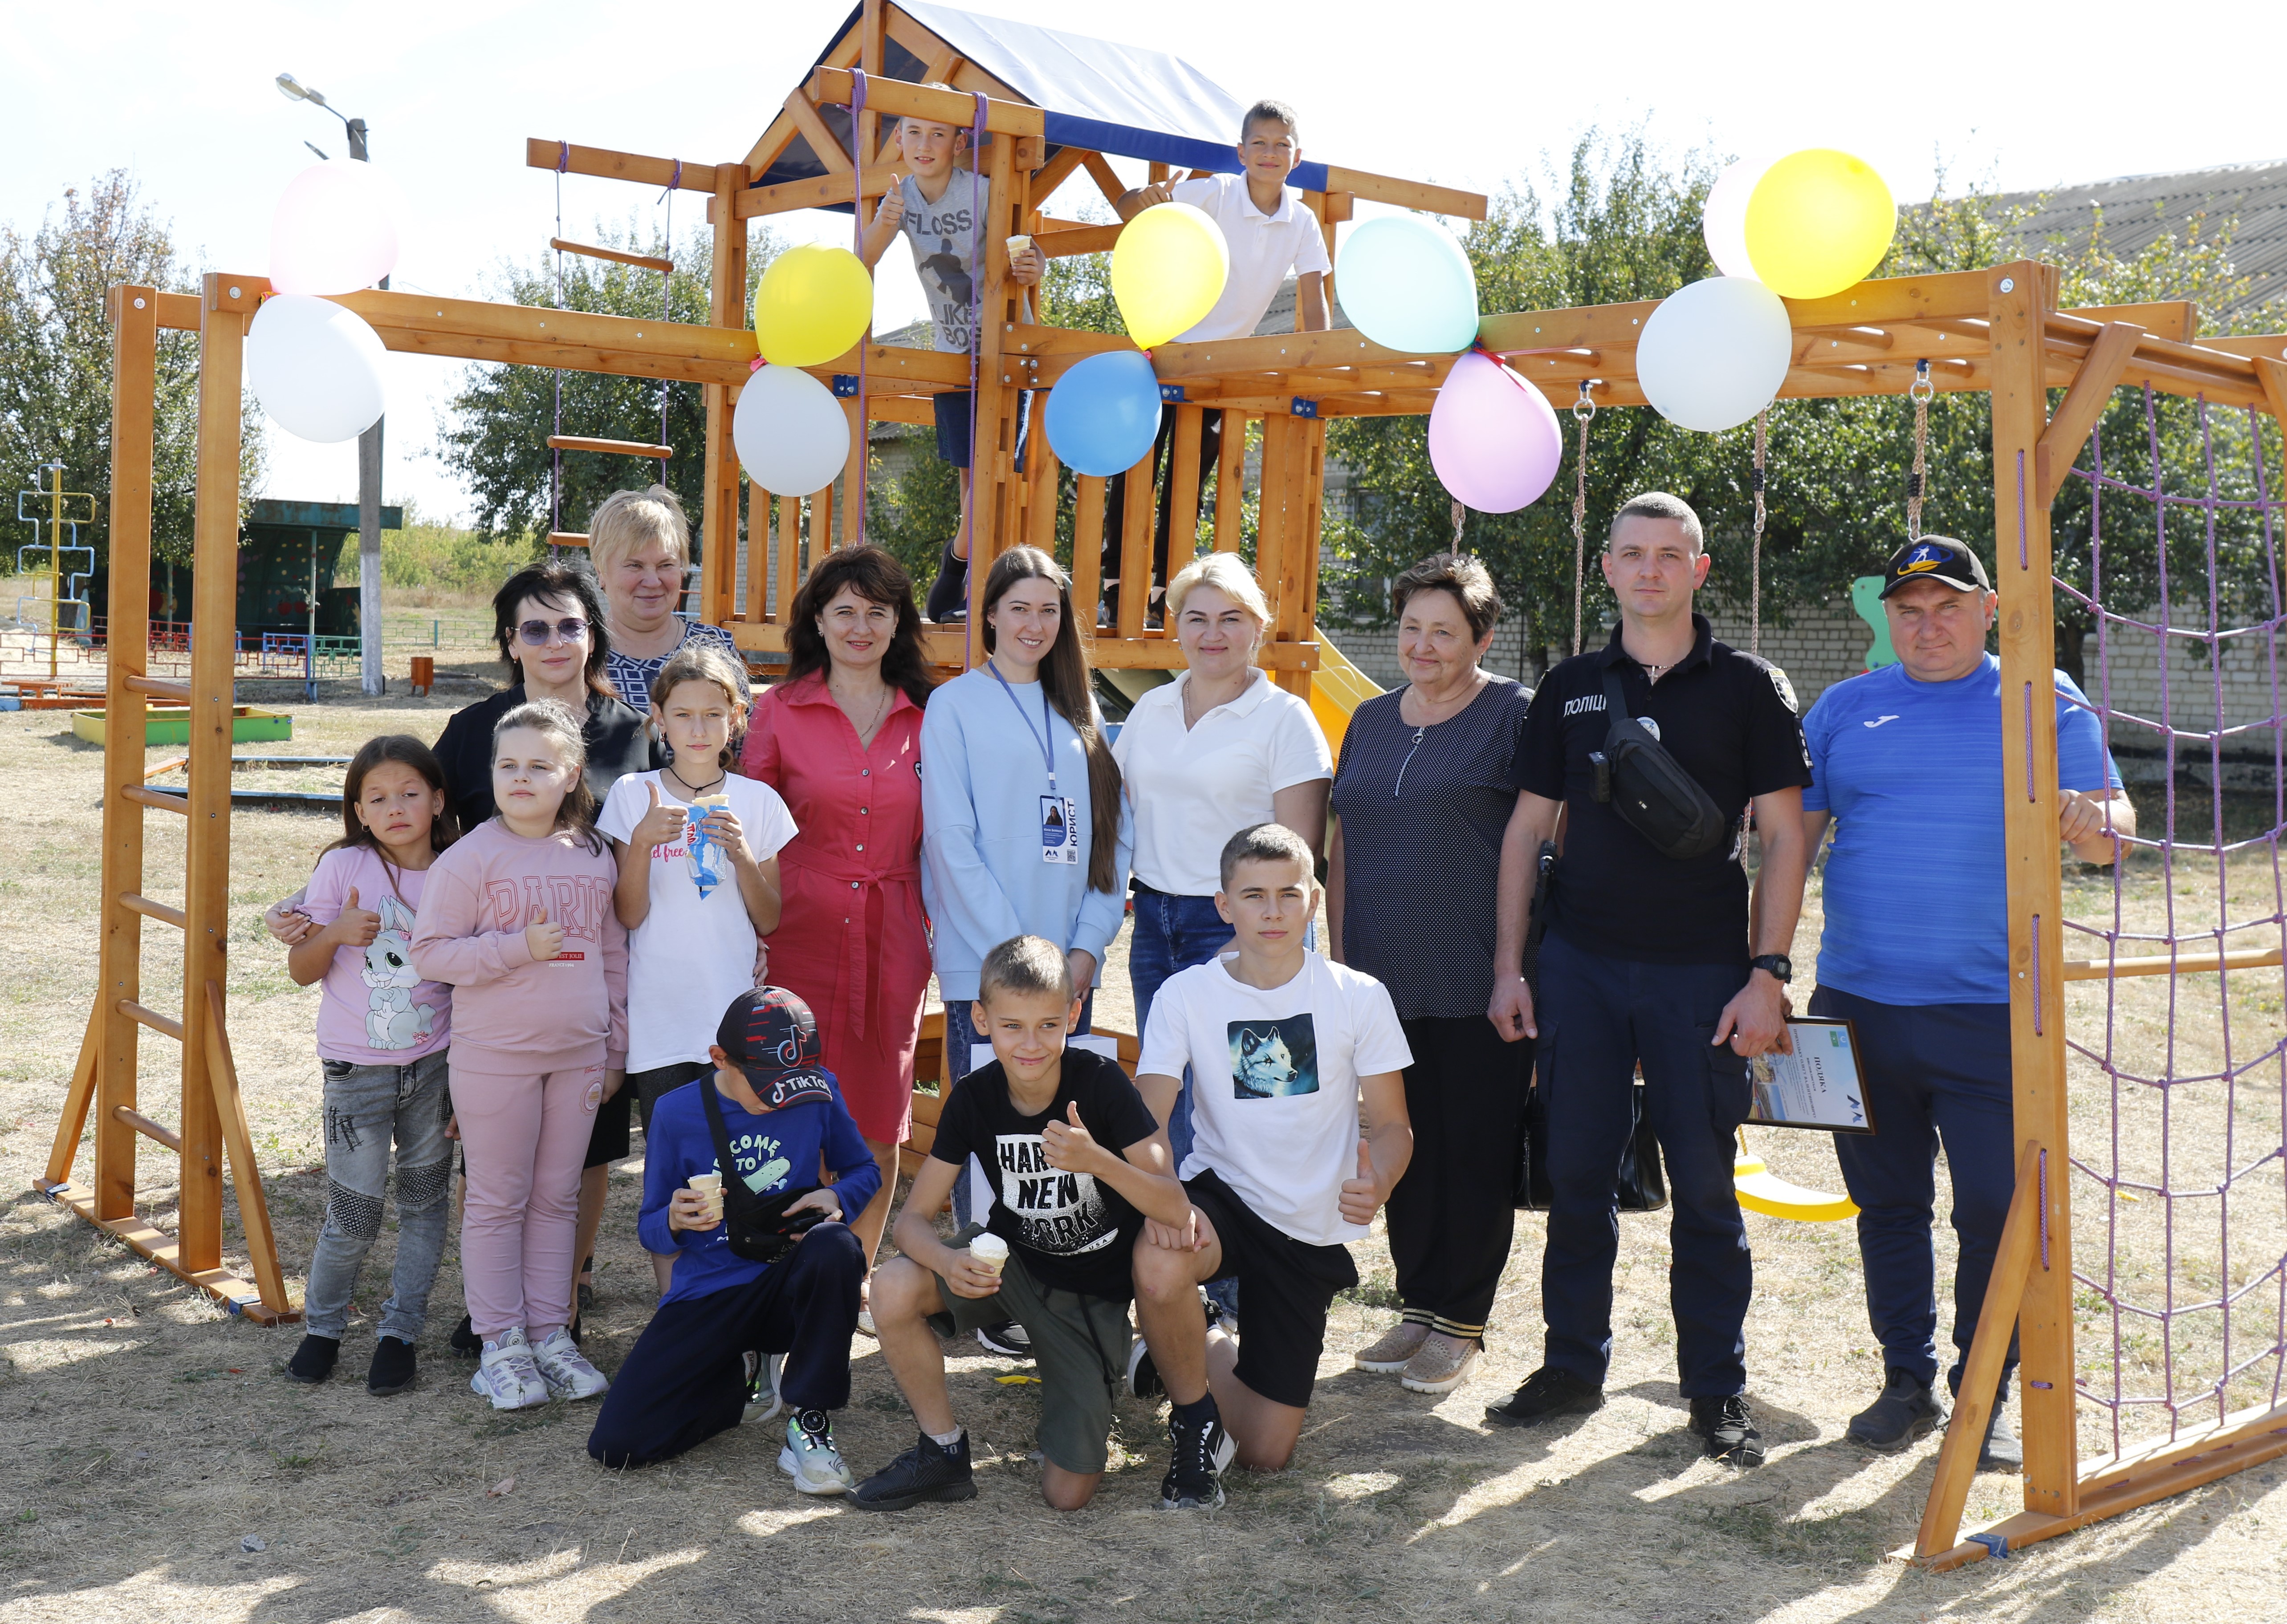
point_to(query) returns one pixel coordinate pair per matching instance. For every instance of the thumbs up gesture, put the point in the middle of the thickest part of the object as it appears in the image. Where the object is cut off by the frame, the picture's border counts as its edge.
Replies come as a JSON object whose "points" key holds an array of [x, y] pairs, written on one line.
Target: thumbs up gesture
{"points": [[543, 940], [1068, 1145], [660, 825], [1362, 1195], [354, 926]]}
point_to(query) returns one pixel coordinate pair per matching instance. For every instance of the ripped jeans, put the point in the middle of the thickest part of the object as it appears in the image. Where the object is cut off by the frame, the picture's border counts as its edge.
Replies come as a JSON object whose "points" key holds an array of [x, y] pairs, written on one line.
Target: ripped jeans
{"points": [[369, 1108]]}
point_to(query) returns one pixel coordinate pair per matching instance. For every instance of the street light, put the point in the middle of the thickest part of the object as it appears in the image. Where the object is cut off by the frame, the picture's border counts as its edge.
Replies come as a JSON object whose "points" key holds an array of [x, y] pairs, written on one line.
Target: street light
{"points": [[369, 450]]}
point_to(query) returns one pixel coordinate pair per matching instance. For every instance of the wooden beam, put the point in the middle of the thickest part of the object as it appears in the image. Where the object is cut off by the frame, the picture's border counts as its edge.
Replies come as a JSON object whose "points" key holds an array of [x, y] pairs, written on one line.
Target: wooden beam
{"points": [[1107, 179], [899, 100], [129, 1117], [1407, 194], [1230, 479], [473, 329], [1183, 487], [606, 164], [240, 1297], [71, 1122], [1067, 240], [1135, 543], [726, 311], [2172, 319], [642, 262], [1997, 1324], [154, 797], [149, 910], [2083, 403], [253, 1209], [567, 537], [2273, 376], [133, 680], [615, 448], [817, 191], [822, 144], [2260, 346], [1088, 550], [165, 1025], [1054, 173]]}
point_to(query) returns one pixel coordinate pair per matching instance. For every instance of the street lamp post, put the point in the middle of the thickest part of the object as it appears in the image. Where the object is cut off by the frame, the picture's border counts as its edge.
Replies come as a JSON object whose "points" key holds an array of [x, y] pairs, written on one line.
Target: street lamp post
{"points": [[369, 457]]}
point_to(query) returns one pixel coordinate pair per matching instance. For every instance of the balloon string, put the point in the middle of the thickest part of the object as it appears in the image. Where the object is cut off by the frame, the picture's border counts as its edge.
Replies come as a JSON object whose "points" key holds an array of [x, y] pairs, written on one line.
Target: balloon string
{"points": [[977, 251]]}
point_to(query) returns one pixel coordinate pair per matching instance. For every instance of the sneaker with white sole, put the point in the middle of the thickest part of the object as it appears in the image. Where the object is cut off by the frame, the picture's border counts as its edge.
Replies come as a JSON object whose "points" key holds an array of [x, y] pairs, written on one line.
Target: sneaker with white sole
{"points": [[1201, 1452], [1006, 1338], [566, 1369], [763, 1401], [1143, 1375], [1388, 1354], [507, 1374], [1440, 1365], [810, 1457]]}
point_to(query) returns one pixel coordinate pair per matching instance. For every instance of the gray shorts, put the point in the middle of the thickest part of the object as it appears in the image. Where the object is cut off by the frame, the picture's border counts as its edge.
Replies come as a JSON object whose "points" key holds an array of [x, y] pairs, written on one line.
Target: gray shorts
{"points": [[1080, 1345]]}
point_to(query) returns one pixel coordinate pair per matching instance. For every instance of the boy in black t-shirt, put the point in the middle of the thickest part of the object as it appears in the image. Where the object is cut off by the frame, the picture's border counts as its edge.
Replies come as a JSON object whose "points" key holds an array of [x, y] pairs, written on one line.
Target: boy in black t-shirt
{"points": [[1043, 1119]]}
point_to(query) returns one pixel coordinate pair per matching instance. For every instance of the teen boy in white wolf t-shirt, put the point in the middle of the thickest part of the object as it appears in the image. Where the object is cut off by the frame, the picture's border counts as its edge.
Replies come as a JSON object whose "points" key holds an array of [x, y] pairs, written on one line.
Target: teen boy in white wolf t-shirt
{"points": [[1283, 1047]]}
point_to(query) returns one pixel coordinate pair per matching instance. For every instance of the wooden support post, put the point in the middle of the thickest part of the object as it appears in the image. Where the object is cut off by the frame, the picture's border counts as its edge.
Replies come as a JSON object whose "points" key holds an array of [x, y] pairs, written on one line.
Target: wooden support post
{"points": [[992, 504], [853, 472], [2020, 296], [229, 302], [1183, 487], [1271, 518], [1087, 551], [77, 1099], [822, 525], [1230, 479], [2082, 405], [253, 1207], [718, 520], [2273, 376], [758, 558], [1042, 480], [1997, 1322], [1135, 544], [790, 562]]}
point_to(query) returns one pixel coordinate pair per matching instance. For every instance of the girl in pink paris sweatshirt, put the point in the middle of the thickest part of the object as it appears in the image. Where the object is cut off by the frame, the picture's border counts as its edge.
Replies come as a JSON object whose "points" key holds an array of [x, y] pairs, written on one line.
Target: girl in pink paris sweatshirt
{"points": [[517, 918]]}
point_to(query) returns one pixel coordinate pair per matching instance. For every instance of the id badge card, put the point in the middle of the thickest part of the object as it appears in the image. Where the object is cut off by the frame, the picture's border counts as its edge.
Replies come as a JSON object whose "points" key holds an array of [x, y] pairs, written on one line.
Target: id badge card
{"points": [[1057, 844]]}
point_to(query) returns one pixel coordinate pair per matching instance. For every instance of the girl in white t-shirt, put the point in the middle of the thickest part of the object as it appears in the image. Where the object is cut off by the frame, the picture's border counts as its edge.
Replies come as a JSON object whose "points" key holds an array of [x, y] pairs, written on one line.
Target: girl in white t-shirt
{"points": [[699, 877]]}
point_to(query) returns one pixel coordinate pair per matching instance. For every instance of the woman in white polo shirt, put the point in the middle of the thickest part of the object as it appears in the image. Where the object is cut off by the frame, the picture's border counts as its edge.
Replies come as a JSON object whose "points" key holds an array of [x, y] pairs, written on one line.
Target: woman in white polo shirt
{"points": [[1219, 749]]}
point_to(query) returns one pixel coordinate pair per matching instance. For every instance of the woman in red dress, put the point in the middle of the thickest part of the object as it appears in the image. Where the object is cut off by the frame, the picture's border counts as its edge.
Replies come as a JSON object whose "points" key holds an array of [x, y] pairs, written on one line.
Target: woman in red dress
{"points": [[840, 740]]}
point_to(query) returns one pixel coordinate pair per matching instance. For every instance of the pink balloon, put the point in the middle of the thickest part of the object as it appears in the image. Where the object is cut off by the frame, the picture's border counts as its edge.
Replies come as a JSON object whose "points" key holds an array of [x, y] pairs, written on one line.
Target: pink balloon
{"points": [[1494, 438]]}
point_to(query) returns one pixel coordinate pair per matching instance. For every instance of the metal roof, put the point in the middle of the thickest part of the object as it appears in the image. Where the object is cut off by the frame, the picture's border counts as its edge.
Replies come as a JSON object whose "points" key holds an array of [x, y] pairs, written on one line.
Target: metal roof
{"points": [[2140, 209]]}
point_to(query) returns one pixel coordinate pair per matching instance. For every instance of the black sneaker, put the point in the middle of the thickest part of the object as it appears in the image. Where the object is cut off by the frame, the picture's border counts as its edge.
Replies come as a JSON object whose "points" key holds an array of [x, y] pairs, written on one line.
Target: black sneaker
{"points": [[928, 1471], [466, 1340], [2001, 1451], [1009, 1339], [1194, 1479], [1547, 1394], [393, 1368], [1728, 1431], [314, 1360], [1143, 1375], [1908, 1410]]}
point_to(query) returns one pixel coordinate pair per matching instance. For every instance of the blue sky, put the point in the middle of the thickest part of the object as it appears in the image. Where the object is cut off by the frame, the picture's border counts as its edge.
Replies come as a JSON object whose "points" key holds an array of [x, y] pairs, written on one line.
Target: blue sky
{"points": [[1467, 92]]}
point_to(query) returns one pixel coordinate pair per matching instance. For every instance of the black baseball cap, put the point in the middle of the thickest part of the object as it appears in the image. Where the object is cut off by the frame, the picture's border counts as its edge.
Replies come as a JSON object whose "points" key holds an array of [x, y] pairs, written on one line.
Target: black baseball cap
{"points": [[1939, 558], [771, 1035]]}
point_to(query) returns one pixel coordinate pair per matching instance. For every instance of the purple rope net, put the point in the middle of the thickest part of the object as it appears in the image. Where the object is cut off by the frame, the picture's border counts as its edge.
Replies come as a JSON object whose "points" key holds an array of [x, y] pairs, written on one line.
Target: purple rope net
{"points": [[2180, 1117]]}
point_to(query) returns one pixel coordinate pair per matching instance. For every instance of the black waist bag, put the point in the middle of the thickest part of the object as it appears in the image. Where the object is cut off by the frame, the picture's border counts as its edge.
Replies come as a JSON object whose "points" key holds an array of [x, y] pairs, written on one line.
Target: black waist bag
{"points": [[758, 1227], [1649, 789]]}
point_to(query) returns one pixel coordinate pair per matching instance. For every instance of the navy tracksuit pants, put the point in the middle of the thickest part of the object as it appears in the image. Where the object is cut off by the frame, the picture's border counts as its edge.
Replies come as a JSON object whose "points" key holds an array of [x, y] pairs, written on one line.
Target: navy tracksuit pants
{"points": [[684, 1380], [1935, 1074], [1598, 1017]]}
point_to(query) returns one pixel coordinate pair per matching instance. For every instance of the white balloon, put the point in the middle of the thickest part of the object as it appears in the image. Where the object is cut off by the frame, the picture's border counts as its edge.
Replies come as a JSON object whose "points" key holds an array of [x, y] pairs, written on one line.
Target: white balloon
{"points": [[315, 367], [1724, 222], [336, 228], [1714, 354], [790, 432]]}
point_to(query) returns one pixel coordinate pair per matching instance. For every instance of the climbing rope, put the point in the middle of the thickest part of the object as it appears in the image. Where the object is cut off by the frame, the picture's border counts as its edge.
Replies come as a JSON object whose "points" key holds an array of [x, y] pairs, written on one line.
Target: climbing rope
{"points": [[1583, 413], [1916, 484], [554, 454], [857, 159]]}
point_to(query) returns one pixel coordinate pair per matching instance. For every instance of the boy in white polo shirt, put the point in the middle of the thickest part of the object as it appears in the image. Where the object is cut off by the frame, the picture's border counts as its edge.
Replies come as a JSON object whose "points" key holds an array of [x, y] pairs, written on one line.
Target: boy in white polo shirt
{"points": [[1284, 1046], [1268, 232]]}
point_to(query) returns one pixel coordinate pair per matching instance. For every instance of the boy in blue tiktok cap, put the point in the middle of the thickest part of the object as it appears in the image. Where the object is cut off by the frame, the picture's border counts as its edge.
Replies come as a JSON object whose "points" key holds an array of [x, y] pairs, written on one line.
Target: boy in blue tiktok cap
{"points": [[763, 1125]]}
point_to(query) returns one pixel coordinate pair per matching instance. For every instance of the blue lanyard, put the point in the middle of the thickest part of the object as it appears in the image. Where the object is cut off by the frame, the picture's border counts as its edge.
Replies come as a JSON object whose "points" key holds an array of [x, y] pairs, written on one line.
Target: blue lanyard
{"points": [[1046, 729]]}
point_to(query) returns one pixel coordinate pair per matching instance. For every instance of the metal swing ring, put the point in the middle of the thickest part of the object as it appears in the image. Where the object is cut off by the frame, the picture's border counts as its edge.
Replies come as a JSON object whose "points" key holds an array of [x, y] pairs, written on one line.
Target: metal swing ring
{"points": [[1584, 409], [1921, 388]]}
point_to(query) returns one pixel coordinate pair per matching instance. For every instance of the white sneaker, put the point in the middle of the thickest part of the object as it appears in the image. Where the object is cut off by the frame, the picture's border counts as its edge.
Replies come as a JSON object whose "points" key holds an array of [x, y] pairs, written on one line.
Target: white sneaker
{"points": [[763, 1401], [507, 1374], [810, 1457], [566, 1369]]}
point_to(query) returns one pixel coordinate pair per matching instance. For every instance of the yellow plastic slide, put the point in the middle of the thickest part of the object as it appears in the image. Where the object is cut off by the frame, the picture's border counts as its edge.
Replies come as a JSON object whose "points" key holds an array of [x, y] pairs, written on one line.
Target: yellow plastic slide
{"points": [[1337, 687]]}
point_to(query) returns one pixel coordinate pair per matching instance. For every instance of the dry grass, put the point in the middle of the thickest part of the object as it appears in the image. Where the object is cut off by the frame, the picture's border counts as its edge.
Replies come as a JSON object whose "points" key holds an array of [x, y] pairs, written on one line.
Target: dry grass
{"points": [[152, 1433]]}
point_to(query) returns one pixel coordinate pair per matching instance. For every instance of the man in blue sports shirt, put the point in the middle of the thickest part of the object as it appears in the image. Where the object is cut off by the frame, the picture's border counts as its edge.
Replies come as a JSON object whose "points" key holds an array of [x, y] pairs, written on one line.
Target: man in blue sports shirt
{"points": [[1907, 761]]}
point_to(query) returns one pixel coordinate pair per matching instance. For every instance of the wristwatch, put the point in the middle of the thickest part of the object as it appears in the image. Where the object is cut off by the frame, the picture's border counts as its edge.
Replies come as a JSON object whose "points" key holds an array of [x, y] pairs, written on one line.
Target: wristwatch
{"points": [[1779, 968]]}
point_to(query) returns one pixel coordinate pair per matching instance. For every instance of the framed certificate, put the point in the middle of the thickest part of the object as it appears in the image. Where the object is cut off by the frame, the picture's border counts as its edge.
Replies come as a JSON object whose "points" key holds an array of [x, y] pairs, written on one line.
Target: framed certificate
{"points": [[1817, 1086]]}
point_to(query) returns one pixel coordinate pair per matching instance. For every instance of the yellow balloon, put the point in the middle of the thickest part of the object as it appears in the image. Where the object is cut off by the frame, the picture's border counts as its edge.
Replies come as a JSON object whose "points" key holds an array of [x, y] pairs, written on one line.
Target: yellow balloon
{"points": [[1819, 220], [812, 305], [1167, 271]]}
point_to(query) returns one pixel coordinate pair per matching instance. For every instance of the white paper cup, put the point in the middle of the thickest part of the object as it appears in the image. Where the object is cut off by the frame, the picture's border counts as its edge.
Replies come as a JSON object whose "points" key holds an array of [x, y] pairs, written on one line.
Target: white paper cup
{"points": [[709, 1186], [1018, 245], [990, 1251]]}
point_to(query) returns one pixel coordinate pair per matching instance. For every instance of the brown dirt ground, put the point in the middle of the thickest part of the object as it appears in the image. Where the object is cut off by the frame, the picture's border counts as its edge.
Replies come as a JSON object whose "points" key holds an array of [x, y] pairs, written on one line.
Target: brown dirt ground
{"points": [[152, 1433]]}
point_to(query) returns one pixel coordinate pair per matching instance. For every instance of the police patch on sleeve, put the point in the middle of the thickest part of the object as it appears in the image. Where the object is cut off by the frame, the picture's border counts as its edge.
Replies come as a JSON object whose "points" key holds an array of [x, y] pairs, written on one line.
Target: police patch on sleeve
{"points": [[1787, 689]]}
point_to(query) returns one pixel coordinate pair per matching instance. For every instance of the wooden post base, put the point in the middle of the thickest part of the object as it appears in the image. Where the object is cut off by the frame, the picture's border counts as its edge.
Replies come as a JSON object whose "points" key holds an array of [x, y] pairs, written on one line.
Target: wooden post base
{"points": [[240, 1297]]}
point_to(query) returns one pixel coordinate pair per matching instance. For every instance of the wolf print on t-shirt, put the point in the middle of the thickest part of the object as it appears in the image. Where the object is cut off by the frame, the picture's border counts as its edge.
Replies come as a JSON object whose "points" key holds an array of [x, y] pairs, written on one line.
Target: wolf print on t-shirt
{"points": [[1270, 1059], [1057, 1212]]}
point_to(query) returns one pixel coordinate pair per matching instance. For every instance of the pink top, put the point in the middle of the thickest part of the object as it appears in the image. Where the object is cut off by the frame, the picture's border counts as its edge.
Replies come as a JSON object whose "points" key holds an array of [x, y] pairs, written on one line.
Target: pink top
{"points": [[373, 1009], [516, 1015]]}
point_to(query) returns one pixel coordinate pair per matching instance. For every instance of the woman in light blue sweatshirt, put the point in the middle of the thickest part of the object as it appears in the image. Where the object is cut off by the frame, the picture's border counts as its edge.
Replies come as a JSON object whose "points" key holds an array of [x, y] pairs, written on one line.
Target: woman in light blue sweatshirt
{"points": [[1025, 831]]}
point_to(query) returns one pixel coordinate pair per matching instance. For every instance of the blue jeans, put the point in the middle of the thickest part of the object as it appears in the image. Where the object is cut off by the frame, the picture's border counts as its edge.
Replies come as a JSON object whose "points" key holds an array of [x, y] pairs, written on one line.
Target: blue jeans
{"points": [[1171, 932], [367, 1109], [961, 1035], [1598, 1017], [1934, 1073]]}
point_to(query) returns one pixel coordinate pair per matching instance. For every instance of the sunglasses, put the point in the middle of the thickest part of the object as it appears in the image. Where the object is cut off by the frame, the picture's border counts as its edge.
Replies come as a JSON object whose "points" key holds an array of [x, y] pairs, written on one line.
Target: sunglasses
{"points": [[535, 633]]}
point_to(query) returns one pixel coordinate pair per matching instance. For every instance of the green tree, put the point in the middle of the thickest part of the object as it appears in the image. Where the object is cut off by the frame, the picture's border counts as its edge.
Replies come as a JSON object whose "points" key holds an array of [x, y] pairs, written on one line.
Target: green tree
{"points": [[56, 361], [496, 428]]}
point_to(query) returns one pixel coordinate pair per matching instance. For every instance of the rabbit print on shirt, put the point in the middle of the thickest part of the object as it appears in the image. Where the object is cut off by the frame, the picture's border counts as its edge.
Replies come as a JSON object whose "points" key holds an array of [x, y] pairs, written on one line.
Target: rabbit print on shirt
{"points": [[393, 1020]]}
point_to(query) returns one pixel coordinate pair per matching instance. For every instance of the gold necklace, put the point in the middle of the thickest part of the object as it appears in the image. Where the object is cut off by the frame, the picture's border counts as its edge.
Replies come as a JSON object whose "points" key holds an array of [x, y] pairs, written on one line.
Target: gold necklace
{"points": [[880, 711]]}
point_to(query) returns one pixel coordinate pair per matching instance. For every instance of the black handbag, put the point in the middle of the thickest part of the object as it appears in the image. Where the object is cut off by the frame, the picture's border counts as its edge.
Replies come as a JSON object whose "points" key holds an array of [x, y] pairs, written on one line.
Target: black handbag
{"points": [[758, 1227], [1639, 1183], [1648, 788]]}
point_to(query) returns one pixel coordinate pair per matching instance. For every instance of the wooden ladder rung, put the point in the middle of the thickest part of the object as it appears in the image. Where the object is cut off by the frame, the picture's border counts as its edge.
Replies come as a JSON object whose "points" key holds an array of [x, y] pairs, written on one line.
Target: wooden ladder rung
{"points": [[145, 1126], [647, 262], [151, 1018], [158, 688], [567, 537], [155, 798], [150, 909], [616, 448]]}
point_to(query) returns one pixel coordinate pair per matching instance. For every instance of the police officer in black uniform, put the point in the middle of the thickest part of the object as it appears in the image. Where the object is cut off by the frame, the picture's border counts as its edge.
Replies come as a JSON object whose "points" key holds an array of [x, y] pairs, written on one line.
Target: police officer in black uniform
{"points": [[1646, 959]]}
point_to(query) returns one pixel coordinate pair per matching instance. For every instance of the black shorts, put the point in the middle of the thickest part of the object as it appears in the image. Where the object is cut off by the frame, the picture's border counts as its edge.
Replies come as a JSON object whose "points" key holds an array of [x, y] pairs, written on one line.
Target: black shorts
{"points": [[648, 1086], [607, 1140], [1285, 1287], [953, 415]]}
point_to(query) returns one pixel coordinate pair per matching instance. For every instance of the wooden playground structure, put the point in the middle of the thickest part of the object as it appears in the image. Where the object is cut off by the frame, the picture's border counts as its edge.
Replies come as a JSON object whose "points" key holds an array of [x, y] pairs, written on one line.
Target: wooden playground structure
{"points": [[1999, 331]]}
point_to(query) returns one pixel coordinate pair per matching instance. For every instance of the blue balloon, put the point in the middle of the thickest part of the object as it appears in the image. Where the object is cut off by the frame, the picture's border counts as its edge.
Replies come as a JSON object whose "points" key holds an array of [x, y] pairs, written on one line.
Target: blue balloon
{"points": [[1405, 282], [1104, 414]]}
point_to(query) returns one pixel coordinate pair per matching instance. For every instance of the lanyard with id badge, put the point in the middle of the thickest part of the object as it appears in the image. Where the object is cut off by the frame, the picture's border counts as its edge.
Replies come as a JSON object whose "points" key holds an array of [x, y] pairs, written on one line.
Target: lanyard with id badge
{"points": [[1059, 843]]}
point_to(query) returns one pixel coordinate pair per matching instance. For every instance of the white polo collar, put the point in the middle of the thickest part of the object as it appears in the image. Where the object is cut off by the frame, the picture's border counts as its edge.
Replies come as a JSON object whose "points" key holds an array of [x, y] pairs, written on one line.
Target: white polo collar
{"points": [[1243, 201], [1249, 697]]}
